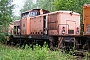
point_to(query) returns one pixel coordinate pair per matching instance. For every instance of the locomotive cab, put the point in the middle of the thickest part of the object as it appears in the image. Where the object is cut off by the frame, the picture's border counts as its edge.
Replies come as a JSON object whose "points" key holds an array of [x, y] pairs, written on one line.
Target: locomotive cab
{"points": [[36, 12], [27, 22]]}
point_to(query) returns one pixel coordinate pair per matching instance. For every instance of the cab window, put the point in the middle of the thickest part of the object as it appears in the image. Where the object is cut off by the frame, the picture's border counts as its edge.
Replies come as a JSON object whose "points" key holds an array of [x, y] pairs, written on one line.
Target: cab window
{"points": [[34, 13], [25, 14]]}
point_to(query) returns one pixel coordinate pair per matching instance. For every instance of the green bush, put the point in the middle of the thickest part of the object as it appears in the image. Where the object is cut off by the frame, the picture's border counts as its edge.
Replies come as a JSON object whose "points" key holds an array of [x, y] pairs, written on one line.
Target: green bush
{"points": [[2, 37], [38, 53]]}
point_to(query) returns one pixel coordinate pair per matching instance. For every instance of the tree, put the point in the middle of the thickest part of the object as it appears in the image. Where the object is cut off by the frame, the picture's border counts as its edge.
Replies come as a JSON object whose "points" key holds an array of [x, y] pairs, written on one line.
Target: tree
{"points": [[40, 4], [16, 18], [45, 4], [27, 6], [5, 11]]}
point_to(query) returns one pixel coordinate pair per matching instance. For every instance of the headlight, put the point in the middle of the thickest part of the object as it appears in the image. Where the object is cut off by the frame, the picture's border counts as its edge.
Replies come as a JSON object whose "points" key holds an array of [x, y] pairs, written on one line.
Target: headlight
{"points": [[77, 30], [63, 30]]}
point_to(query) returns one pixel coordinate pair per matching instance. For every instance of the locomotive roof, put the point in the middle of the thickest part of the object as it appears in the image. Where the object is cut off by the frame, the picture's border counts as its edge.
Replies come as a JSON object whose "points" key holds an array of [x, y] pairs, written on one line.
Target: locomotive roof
{"points": [[35, 9], [63, 11], [86, 5]]}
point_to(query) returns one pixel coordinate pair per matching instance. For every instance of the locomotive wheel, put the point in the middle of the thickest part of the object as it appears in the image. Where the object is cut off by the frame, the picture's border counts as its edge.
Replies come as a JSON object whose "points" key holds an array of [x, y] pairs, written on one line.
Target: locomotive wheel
{"points": [[51, 41]]}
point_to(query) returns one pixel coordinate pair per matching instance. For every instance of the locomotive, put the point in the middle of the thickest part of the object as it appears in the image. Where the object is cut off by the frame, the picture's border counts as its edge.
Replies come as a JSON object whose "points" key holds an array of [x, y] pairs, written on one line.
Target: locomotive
{"points": [[59, 29]]}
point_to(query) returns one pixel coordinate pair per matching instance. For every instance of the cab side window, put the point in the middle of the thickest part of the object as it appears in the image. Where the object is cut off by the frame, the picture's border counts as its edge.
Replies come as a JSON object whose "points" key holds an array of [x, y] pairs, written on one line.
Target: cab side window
{"points": [[34, 14], [25, 14]]}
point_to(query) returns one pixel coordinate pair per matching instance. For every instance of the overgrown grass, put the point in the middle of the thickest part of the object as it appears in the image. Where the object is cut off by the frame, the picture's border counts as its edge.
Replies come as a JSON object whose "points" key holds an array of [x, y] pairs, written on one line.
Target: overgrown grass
{"points": [[38, 53]]}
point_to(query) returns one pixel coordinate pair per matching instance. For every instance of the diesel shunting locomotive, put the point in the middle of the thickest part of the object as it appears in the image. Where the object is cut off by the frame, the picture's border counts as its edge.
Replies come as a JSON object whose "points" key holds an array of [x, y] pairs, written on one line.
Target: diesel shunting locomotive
{"points": [[59, 29]]}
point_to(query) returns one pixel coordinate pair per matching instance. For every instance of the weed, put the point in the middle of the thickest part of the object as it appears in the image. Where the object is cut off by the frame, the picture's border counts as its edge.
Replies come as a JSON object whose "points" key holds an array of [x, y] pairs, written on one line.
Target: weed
{"points": [[38, 53]]}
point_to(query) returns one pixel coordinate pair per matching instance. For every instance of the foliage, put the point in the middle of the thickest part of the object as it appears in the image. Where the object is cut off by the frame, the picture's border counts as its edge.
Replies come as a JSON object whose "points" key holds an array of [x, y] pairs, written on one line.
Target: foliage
{"points": [[37, 53], [11, 53], [42, 4], [5, 17], [28, 5], [5, 11], [16, 18], [45, 4], [2, 37]]}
